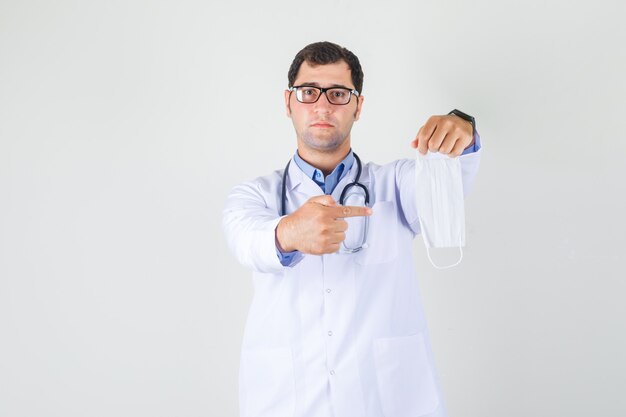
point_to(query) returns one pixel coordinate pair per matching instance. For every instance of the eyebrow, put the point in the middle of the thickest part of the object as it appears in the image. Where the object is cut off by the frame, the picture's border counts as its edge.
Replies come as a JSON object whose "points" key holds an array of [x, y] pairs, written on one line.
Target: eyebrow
{"points": [[315, 84]]}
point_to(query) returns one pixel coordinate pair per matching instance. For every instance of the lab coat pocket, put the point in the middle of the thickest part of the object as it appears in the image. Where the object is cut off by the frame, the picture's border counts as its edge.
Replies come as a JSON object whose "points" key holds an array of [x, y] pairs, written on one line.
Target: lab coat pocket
{"points": [[382, 235], [405, 380], [268, 383]]}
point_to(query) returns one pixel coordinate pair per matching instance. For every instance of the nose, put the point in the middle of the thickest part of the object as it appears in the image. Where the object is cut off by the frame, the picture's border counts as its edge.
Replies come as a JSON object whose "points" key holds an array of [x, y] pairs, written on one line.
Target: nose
{"points": [[323, 104]]}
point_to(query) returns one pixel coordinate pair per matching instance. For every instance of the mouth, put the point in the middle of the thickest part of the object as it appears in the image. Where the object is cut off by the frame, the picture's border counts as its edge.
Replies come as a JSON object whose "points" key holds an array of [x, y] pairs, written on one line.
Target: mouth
{"points": [[322, 125]]}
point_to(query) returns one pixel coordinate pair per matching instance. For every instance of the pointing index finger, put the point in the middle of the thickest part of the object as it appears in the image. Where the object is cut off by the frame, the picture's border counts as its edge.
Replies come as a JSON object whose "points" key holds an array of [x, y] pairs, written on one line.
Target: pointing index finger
{"points": [[351, 211]]}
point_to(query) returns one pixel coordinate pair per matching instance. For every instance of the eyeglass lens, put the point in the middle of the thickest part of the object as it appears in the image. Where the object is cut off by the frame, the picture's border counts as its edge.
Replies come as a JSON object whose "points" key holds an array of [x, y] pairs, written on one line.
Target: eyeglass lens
{"points": [[312, 94]]}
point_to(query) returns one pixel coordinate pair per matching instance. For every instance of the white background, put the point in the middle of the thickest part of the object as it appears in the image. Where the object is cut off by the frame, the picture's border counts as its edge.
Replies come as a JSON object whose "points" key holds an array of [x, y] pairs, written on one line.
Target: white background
{"points": [[124, 124]]}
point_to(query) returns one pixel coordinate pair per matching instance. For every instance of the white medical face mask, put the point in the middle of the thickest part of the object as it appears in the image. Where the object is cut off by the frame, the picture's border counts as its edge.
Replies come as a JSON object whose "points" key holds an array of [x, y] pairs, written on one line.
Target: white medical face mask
{"points": [[440, 207]]}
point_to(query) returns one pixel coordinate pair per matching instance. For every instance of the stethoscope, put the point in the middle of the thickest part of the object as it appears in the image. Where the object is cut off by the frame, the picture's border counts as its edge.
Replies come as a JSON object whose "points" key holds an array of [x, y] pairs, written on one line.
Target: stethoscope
{"points": [[344, 193]]}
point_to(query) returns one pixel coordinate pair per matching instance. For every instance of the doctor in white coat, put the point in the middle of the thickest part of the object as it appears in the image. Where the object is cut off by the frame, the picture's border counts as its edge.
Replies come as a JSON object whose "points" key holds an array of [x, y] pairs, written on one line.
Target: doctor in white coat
{"points": [[333, 332]]}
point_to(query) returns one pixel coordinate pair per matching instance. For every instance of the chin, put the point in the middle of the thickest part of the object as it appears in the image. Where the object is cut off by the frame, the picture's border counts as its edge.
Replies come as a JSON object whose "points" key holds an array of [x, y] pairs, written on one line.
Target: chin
{"points": [[323, 144]]}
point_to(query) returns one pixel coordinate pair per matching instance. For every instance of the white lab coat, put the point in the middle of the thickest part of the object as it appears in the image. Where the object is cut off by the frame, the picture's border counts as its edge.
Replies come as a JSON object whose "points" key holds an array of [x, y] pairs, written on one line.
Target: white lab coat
{"points": [[338, 335]]}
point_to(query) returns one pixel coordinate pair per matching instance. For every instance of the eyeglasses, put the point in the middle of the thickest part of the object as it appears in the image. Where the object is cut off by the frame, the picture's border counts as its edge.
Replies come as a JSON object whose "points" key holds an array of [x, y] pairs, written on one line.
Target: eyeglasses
{"points": [[335, 95]]}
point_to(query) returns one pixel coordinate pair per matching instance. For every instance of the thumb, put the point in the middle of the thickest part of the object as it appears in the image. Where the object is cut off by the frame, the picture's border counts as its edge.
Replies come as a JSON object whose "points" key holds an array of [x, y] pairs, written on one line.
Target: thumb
{"points": [[324, 200]]}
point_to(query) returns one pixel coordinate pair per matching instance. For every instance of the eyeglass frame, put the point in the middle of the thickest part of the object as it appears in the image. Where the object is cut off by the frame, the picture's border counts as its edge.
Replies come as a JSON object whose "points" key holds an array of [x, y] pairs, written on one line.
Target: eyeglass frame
{"points": [[323, 91]]}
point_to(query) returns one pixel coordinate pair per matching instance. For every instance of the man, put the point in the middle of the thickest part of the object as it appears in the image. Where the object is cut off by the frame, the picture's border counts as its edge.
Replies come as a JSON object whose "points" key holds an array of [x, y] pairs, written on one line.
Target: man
{"points": [[336, 326]]}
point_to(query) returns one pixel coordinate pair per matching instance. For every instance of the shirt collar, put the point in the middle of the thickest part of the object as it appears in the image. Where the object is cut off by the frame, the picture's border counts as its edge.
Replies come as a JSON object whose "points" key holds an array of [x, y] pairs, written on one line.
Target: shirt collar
{"points": [[318, 176]]}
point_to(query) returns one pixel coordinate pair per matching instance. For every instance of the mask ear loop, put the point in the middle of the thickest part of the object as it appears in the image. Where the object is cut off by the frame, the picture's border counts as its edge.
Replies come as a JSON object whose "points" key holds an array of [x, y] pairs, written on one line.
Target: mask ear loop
{"points": [[428, 250], [447, 266]]}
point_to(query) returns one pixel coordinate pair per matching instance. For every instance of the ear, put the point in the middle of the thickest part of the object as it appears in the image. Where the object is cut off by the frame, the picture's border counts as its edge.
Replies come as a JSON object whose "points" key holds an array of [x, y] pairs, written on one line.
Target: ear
{"points": [[359, 105], [287, 104]]}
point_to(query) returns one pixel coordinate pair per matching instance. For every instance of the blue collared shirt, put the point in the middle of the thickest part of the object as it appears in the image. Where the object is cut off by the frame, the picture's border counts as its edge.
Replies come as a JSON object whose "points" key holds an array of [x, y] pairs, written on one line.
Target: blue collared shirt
{"points": [[328, 184]]}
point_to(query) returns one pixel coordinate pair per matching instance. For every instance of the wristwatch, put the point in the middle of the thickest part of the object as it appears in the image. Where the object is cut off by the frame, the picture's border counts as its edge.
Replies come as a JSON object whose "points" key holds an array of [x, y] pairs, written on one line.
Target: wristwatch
{"points": [[467, 117]]}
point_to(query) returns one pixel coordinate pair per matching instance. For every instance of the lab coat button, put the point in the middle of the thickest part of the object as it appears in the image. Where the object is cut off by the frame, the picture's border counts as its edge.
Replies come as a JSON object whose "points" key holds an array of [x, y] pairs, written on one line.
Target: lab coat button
{"points": [[327, 289], [330, 333], [332, 372]]}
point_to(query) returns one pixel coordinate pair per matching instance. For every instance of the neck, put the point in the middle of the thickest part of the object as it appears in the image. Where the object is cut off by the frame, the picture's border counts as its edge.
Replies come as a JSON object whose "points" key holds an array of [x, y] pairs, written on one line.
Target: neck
{"points": [[325, 161]]}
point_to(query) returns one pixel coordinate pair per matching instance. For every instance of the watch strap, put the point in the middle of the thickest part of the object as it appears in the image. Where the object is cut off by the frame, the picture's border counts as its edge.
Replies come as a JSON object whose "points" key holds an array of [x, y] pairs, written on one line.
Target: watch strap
{"points": [[467, 117]]}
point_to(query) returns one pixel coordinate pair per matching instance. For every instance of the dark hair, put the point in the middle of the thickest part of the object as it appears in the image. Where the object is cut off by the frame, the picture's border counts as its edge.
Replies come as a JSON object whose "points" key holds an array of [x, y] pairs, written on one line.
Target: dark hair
{"points": [[322, 53]]}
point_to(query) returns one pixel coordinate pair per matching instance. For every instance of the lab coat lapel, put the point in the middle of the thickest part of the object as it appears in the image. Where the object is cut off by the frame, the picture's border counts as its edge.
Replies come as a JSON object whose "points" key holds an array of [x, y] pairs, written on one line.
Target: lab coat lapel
{"points": [[299, 187]]}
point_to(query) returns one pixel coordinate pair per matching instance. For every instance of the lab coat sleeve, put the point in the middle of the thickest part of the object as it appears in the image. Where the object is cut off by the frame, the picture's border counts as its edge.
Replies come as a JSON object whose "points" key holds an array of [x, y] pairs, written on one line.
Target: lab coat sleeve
{"points": [[249, 225], [405, 182]]}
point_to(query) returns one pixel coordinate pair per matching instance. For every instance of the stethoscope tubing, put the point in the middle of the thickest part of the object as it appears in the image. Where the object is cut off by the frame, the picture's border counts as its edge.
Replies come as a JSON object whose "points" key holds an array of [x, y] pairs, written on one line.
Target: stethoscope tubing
{"points": [[344, 192]]}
